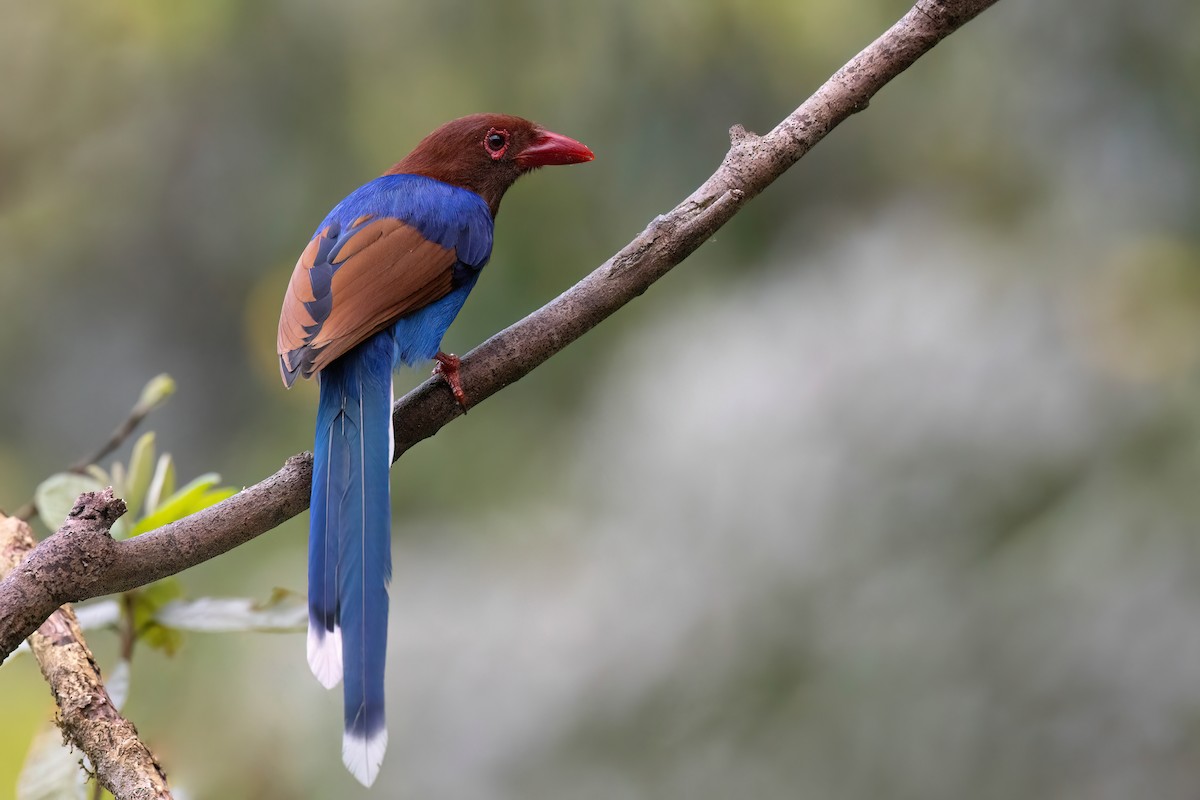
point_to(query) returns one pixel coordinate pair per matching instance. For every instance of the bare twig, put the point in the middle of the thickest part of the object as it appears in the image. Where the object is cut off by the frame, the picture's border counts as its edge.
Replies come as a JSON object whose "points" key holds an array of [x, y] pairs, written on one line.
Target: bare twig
{"points": [[122, 432], [87, 717], [47, 579], [153, 395]]}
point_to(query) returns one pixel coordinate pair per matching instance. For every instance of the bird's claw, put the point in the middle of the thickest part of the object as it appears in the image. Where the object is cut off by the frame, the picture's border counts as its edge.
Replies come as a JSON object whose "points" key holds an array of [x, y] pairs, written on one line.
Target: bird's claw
{"points": [[447, 367]]}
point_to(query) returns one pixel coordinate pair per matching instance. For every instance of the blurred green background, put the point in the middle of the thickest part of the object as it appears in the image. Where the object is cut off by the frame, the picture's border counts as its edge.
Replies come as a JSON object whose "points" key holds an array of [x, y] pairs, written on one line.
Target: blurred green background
{"points": [[890, 490]]}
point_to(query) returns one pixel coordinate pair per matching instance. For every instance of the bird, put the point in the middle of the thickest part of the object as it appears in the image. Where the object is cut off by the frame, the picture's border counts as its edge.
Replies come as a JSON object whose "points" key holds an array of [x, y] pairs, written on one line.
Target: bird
{"points": [[380, 281]]}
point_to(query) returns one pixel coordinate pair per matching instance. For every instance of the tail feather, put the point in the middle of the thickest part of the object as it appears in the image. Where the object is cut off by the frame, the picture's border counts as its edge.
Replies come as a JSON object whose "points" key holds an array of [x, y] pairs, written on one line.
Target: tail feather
{"points": [[350, 544], [324, 633]]}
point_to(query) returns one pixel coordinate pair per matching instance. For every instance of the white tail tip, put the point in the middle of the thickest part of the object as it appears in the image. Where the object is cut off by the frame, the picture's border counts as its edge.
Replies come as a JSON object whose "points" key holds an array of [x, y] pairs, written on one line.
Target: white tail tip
{"points": [[325, 655], [364, 757]]}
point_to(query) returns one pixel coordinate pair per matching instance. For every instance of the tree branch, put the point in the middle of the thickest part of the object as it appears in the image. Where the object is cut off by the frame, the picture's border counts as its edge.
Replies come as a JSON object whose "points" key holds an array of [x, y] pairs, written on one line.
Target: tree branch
{"points": [[75, 564], [87, 717]]}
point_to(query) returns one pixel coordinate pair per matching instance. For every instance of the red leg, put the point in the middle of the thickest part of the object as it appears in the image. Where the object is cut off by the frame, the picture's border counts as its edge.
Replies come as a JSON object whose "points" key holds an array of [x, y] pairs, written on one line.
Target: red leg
{"points": [[447, 367]]}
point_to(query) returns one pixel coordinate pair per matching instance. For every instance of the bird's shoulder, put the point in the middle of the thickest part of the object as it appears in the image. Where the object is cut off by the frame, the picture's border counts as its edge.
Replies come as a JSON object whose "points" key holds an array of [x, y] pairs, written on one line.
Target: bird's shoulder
{"points": [[446, 215]]}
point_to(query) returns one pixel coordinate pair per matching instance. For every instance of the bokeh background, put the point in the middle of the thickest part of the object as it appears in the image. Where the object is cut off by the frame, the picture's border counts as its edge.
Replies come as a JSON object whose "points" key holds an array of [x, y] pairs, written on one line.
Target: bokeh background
{"points": [[889, 491]]}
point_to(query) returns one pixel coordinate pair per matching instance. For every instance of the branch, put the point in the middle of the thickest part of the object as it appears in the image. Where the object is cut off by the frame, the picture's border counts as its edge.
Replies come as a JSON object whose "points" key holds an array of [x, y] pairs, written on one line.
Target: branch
{"points": [[70, 567], [87, 717], [82, 560]]}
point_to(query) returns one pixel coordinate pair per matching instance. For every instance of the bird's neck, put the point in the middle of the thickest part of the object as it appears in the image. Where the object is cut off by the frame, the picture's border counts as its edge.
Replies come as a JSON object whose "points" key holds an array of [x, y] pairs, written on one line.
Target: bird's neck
{"points": [[491, 187]]}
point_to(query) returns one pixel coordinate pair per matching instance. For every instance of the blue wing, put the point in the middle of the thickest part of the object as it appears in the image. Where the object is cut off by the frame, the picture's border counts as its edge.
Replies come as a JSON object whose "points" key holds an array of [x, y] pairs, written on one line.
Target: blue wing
{"points": [[393, 247]]}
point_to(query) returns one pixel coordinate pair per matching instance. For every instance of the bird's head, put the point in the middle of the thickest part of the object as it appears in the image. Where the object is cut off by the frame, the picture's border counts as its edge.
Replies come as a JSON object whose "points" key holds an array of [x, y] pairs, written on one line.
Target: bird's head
{"points": [[487, 152]]}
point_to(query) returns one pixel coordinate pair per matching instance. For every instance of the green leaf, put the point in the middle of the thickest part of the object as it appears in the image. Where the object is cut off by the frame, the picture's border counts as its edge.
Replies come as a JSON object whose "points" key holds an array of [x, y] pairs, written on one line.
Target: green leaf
{"points": [[100, 614], [117, 683], [284, 612], [120, 528], [162, 485], [51, 771], [196, 496], [141, 470], [99, 474], [146, 603], [116, 479], [156, 392], [56, 496]]}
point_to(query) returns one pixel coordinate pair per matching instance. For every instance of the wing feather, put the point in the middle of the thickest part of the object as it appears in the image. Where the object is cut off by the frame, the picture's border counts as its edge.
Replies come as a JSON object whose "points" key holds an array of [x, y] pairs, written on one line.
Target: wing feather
{"points": [[350, 285]]}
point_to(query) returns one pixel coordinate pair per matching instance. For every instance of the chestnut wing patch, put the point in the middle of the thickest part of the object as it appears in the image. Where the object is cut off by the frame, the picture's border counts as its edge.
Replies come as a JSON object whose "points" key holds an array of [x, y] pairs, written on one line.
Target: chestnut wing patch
{"points": [[351, 283]]}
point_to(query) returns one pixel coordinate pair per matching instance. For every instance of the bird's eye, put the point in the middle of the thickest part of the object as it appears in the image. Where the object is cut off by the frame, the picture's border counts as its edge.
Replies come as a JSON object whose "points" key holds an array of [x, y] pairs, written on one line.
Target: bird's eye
{"points": [[496, 142]]}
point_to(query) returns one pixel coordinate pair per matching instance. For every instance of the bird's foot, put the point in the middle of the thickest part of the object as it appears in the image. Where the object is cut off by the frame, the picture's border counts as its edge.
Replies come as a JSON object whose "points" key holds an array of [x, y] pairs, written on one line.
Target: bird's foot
{"points": [[447, 367]]}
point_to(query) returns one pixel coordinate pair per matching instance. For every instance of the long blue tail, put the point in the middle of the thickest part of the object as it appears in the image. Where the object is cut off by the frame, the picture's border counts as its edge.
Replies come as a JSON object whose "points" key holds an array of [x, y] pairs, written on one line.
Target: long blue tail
{"points": [[350, 558]]}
